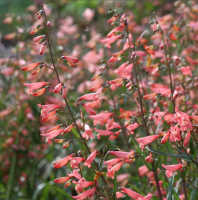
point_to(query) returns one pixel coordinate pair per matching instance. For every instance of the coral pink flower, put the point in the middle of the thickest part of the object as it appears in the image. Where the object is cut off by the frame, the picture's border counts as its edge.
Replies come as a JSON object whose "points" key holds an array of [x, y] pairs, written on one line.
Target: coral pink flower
{"points": [[119, 195], [62, 179], [165, 138], [150, 96], [112, 162], [171, 168], [186, 71], [48, 116], [149, 49], [82, 184], [112, 19], [115, 168], [115, 31], [90, 97], [75, 161], [146, 140], [88, 109], [120, 154], [127, 43], [70, 59], [62, 162], [35, 86], [64, 93], [101, 118], [143, 170], [90, 159], [149, 158], [104, 132], [84, 195], [75, 174], [120, 70], [52, 134], [182, 119], [88, 132], [48, 108], [37, 93], [31, 66], [174, 134], [58, 88], [187, 138], [38, 38], [68, 129], [109, 41], [41, 51], [135, 195]]}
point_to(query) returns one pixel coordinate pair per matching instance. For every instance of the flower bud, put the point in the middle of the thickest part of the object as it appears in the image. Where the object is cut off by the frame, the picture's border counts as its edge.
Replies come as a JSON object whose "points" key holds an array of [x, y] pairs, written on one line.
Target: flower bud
{"points": [[35, 30]]}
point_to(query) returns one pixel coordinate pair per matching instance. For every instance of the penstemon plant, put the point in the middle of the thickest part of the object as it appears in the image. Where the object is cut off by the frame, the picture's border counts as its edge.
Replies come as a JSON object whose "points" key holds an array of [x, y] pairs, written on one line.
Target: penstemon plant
{"points": [[142, 100]]}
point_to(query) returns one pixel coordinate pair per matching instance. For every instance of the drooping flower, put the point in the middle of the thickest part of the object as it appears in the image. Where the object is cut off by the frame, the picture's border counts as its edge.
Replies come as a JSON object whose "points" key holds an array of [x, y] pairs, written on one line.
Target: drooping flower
{"points": [[62, 179], [112, 162], [115, 168], [81, 184], [62, 162], [101, 118], [88, 109], [171, 168], [135, 195], [58, 88], [187, 138], [146, 140], [90, 159], [165, 138], [75, 174], [71, 61], [84, 195], [88, 132], [74, 161], [31, 66], [35, 86], [68, 129], [90, 97], [52, 134]]}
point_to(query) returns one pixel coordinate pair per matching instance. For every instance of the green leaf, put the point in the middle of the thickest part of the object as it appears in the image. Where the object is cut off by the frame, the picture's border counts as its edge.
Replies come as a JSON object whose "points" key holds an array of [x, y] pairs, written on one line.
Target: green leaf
{"points": [[194, 191], [170, 187], [181, 156], [115, 185]]}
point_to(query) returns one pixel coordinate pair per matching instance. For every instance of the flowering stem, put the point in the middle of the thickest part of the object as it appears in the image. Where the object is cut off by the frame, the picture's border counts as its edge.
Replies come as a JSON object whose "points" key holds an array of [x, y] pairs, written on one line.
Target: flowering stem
{"points": [[73, 119], [141, 108], [169, 71]]}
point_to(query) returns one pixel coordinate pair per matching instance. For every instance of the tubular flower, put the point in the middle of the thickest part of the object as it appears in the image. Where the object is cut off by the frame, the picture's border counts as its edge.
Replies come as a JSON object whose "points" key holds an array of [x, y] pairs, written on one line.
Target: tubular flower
{"points": [[103, 132], [58, 87], [90, 159], [35, 86], [52, 134], [174, 134], [165, 138], [88, 109], [101, 118], [187, 138], [75, 174], [146, 140], [90, 97], [135, 195], [68, 129], [88, 132], [120, 154], [84, 195], [31, 66], [115, 168], [82, 184], [171, 168], [71, 61], [62, 179], [75, 161], [149, 158], [112, 162], [62, 162]]}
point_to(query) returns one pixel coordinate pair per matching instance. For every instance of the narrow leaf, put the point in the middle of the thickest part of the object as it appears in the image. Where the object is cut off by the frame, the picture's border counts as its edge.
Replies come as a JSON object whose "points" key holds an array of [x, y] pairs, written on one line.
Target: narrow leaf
{"points": [[181, 156], [170, 187], [194, 191]]}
